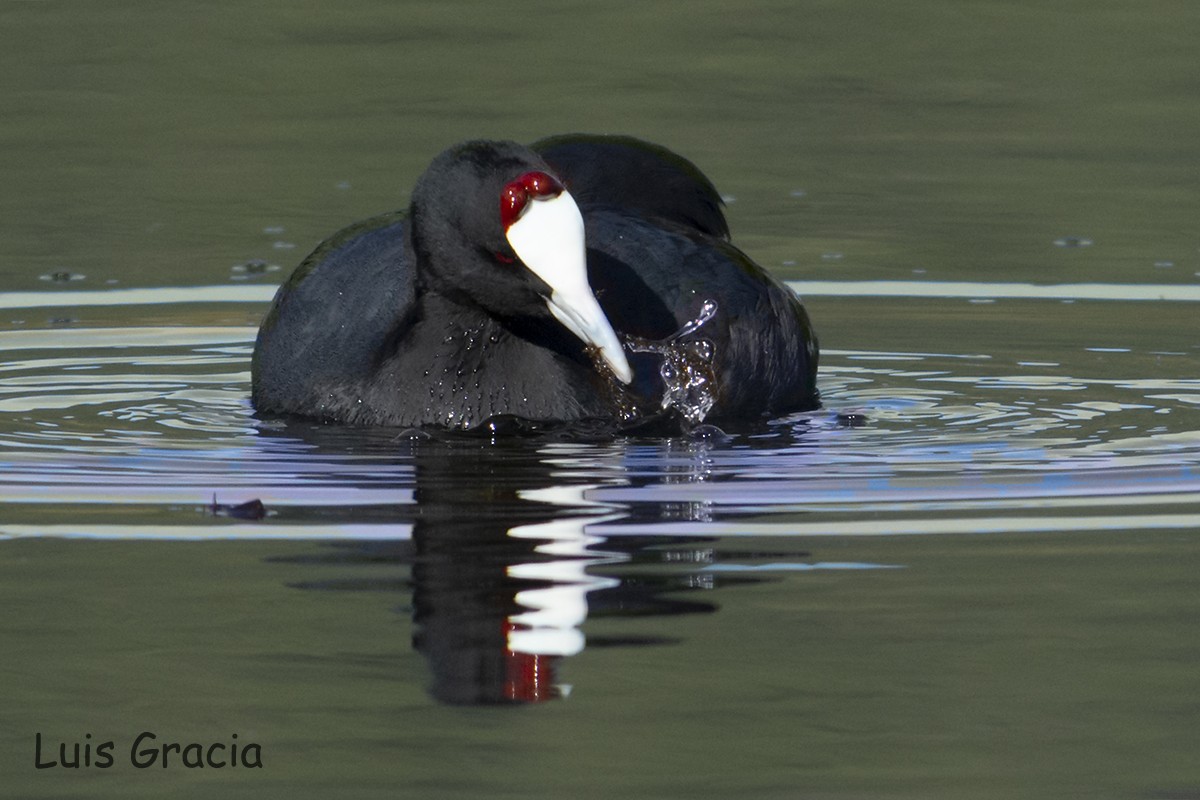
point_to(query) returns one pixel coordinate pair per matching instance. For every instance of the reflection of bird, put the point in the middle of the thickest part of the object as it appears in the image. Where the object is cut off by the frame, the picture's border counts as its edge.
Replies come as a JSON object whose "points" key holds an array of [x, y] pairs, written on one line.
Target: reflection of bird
{"points": [[503, 577], [481, 301]]}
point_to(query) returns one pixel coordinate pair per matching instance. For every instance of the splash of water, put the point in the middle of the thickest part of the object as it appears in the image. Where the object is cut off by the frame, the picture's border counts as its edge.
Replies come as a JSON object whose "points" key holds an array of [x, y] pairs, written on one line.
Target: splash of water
{"points": [[687, 367]]}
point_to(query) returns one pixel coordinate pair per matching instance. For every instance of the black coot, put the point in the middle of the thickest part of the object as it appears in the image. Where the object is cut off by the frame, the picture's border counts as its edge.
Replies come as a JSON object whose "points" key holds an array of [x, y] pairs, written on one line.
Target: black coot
{"points": [[481, 302]]}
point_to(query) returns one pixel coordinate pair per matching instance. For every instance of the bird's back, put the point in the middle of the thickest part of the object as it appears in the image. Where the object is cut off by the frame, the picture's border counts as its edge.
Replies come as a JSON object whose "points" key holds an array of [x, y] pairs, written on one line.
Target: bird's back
{"points": [[334, 318]]}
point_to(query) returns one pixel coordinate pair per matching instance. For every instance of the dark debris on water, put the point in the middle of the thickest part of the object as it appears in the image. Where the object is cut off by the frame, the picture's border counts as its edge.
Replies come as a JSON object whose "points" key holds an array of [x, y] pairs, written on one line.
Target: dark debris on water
{"points": [[249, 510]]}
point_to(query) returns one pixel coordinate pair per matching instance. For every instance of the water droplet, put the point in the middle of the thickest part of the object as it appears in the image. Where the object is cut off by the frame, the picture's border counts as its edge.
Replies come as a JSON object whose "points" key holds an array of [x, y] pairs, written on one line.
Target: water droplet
{"points": [[707, 310], [688, 379], [702, 349]]}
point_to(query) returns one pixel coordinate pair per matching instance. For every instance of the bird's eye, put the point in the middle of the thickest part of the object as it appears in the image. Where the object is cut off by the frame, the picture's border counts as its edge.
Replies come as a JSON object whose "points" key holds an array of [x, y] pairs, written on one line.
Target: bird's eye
{"points": [[539, 184], [515, 196], [512, 203]]}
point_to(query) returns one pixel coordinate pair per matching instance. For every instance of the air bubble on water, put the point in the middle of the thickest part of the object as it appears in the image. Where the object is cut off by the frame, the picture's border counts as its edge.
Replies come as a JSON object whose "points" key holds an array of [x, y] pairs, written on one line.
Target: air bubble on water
{"points": [[251, 267], [832, 256], [709, 433], [1164, 264], [255, 266], [61, 276], [1073, 241]]}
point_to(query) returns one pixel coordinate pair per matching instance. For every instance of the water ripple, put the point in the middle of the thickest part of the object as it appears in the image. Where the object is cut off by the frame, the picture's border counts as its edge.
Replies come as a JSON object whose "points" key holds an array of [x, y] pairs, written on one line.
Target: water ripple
{"points": [[156, 421]]}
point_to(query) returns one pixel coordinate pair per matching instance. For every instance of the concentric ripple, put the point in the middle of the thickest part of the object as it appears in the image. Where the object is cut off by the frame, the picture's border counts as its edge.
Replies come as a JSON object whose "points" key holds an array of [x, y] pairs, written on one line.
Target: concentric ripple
{"points": [[146, 430]]}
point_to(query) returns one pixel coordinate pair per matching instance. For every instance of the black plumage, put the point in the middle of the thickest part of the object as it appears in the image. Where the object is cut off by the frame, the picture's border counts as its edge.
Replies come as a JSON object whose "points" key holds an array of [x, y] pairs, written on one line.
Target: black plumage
{"points": [[430, 318]]}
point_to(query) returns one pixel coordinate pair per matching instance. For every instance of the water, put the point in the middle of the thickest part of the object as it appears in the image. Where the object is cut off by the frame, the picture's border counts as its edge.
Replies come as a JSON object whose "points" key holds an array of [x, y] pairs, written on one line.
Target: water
{"points": [[971, 573], [686, 368]]}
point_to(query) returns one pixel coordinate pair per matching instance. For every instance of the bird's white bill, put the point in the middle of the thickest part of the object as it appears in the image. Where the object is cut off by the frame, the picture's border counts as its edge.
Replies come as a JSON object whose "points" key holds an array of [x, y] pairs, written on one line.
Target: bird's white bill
{"points": [[548, 238]]}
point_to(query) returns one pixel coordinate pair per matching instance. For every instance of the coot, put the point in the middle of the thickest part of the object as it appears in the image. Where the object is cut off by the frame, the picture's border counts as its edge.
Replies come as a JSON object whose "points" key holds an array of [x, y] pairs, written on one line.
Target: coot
{"points": [[581, 278]]}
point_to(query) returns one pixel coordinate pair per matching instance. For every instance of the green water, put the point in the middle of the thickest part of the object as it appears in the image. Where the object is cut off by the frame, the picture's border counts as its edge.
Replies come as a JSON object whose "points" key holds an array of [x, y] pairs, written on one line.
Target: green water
{"points": [[1012, 667], [148, 144], [153, 142]]}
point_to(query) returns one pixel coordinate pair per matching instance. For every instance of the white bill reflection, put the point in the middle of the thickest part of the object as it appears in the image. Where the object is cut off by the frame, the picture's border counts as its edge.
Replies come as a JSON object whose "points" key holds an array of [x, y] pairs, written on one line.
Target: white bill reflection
{"points": [[550, 625]]}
